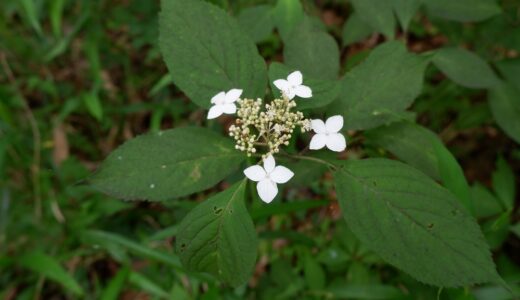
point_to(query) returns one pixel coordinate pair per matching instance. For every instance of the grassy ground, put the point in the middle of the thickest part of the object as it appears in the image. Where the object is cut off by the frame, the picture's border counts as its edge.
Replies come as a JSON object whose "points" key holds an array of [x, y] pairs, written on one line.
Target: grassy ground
{"points": [[78, 78]]}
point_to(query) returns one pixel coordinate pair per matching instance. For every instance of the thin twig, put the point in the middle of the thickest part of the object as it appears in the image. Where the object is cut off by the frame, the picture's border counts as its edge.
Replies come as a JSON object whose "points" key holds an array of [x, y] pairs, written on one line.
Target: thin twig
{"points": [[310, 158], [35, 167]]}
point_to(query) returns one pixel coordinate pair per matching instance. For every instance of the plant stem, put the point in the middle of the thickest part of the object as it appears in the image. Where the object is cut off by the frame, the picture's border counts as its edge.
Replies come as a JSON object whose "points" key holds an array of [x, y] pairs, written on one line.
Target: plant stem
{"points": [[314, 159]]}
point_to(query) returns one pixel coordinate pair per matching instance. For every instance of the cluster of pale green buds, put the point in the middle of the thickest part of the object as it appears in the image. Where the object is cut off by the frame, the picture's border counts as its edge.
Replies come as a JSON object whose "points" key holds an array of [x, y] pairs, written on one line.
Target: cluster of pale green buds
{"points": [[273, 128]]}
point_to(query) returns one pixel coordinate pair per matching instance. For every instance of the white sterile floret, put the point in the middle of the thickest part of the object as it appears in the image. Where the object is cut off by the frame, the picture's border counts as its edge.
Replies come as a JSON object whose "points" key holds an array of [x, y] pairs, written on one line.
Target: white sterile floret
{"points": [[293, 86], [267, 177], [224, 103], [327, 134]]}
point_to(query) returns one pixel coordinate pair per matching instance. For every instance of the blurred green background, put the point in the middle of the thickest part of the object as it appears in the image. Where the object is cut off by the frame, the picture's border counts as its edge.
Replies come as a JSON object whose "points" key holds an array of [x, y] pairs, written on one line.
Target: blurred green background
{"points": [[79, 77]]}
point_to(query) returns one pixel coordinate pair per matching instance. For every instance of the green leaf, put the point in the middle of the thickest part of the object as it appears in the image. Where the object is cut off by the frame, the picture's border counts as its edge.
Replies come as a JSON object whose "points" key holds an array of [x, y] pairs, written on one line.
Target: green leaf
{"points": [[313, 272], [307, 172], [409, 142], [115, 285], [510, 69], [47, 266], [465, 68], [314, 52], [31, 13], [504, 183], [413, 223], [463, 10], [516, 229], [218, 237], [108, 240], [378, 90], [452, 175], [355, 30], [165, 81], [365, 291], [486, 205], [146, 284], [207, 52], [257, 21], [56, 16], [378, 14], [287, 14], [496, 230], [323, 91], [422, 149], [286, 208], [93, 105], [505, 106], [167, 164], [405, 11]]}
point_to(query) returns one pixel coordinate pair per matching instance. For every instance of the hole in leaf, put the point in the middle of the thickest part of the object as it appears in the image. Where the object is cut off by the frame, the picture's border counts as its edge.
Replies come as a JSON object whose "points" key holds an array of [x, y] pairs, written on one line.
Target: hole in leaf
{"points": [[217, 210], [430, 226]]}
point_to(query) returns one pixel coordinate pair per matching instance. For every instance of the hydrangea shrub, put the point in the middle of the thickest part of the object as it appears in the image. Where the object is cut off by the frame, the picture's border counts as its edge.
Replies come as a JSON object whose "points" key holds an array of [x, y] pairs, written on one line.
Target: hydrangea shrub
{"points": [[414, 214]]}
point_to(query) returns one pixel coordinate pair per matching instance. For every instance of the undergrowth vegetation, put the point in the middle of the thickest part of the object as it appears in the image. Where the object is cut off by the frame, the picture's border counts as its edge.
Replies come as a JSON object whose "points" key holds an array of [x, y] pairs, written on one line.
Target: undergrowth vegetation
{"points": [[259, 149]]}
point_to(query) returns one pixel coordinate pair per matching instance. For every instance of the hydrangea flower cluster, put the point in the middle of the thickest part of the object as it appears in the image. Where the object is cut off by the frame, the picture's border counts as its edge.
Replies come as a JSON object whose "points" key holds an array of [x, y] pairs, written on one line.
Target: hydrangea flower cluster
{"points": [[272, 128]]}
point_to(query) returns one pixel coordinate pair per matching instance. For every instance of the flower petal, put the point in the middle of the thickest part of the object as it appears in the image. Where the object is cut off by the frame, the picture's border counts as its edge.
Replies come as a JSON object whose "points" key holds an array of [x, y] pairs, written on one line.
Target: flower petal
{"points": [[282, 84], [233, 95], [215, 111], [295, 78], [334, 124], [318, 141], [229, 108], [255, 173], [290, 93], [318, 126], [269, 164], [281, 174], [220, 97], [336, 142], [303, 91], [267, 190]]}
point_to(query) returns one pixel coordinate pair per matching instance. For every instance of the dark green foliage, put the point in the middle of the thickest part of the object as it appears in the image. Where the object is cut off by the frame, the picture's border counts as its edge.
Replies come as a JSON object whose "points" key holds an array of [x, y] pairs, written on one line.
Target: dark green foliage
{"points": [[167, 164], [111, 96]]}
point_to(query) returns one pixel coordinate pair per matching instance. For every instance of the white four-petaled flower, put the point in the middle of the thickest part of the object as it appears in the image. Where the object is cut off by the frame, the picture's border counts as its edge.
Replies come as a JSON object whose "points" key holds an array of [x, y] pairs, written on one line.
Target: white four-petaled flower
{"points": [[267, 178], [293, 86], [327, 134], [224, 103]]}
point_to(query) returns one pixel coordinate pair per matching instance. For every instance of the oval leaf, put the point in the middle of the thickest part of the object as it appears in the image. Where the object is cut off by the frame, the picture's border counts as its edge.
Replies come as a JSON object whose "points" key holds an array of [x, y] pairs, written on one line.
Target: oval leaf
{"points": [[323, 91], [355, 30], [257, 21], [463, 10], [465, 68], [379, 90], [218, 237], [312, 51], [510, 69], [505, 106], [409, 142], [452, 175], [413, 223], [405, 10], [422, 149], [168, 164], [378, 14], [287, 14], [206, 51]]}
